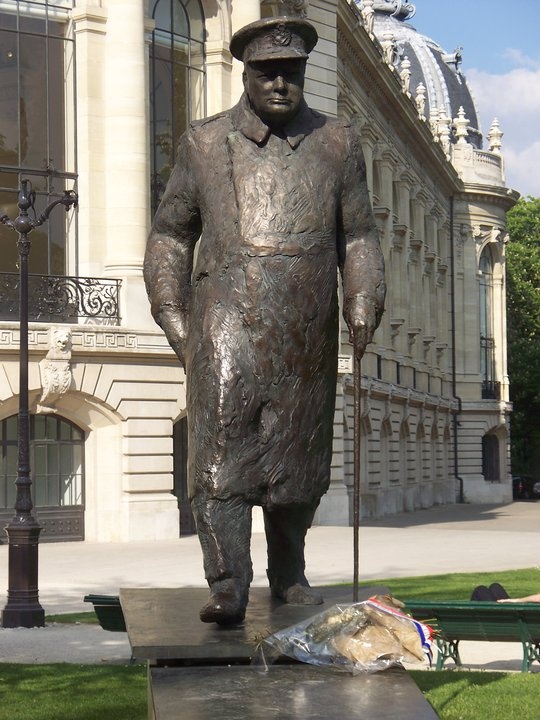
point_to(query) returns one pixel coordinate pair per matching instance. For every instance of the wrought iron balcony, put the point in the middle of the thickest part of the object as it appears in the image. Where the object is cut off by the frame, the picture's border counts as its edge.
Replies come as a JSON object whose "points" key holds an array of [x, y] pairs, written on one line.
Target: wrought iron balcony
{"points": [[491, 390], [62, 299]]}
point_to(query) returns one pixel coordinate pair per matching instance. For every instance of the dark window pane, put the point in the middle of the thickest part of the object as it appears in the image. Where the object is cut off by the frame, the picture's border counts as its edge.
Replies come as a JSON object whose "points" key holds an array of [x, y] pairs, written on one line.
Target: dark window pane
{"points": [[162, 14], [176, 88], [32, 18], [11, 461], [52, 459], [9, 257], [33, 101], [180, 22], [40, 427], [9, 97], [193, 8], [11, 489], [56, 109], [181, 95], [11, 425], [65, 430], [8, 21]]}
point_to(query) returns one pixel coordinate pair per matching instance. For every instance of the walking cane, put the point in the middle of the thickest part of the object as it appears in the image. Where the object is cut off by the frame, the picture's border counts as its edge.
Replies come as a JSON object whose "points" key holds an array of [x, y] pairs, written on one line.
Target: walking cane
{"points": [[356, 470]]}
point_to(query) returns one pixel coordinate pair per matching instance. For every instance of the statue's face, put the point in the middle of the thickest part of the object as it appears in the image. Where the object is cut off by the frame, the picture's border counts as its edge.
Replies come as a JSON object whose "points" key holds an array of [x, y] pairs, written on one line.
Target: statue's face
{"points": [[275, 89]]}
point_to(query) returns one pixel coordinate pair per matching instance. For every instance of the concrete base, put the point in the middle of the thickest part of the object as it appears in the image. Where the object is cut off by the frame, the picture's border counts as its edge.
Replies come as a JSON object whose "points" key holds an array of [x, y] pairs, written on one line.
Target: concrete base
{"points": [[198, 671], [288, 692], [477, 490]]}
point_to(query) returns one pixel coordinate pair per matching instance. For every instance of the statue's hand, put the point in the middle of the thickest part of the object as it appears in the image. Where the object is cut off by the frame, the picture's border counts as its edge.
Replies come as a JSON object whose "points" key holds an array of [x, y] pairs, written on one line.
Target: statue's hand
{"points": [[361, 317], [174, 325]]}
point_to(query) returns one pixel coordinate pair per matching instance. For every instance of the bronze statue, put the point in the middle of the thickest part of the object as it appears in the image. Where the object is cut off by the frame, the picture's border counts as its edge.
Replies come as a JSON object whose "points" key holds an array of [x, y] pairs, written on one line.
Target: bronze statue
{"points": [[275, 194]]}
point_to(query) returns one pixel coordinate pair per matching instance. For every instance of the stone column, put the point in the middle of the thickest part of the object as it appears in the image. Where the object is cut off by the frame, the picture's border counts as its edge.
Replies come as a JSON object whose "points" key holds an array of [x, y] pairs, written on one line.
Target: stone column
{"points": [[90, 24], [127, 154], [242, 13]]}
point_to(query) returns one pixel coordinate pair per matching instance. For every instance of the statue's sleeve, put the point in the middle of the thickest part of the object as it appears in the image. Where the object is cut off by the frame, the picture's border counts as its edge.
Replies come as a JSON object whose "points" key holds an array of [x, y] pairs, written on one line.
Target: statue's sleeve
{"points": [[360, 256], [175, 230]]}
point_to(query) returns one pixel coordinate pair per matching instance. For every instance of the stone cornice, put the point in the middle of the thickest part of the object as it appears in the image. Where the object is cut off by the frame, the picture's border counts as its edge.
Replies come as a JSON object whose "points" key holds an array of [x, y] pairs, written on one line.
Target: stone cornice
{"points": [[493, 194], [89, 18], [87, 340], [401, 395]]}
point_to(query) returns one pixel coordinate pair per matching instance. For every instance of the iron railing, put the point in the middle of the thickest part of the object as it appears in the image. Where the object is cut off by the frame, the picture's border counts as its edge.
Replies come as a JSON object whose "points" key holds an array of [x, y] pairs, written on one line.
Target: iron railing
{"points": [[62, 299], [491, 390]]}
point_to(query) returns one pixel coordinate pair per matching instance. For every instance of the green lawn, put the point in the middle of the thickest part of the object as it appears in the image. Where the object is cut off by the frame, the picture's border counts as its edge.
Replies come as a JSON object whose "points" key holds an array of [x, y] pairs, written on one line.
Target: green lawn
{"points": [[116, 692], [87, 618], [462, 695], [458, 586], [69, 692]]}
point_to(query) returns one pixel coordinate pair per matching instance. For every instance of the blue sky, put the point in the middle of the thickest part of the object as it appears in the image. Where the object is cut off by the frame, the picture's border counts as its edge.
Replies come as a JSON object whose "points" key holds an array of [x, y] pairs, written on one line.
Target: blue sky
{"points": [[501, 61]]}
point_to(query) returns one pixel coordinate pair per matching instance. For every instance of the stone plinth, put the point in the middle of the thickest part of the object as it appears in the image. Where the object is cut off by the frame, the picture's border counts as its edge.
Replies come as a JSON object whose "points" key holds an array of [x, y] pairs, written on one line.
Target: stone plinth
{"points": [[198, 671]]}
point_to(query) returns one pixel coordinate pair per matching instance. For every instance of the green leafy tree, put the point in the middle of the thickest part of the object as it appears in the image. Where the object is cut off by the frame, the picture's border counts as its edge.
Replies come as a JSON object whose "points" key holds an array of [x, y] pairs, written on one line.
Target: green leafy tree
{"points": [[523, 318]]}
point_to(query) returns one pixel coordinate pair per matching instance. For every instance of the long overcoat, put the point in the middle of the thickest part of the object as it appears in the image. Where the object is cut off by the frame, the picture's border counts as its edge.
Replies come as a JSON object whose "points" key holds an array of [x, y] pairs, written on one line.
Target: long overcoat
{"points": [[275, 215]]}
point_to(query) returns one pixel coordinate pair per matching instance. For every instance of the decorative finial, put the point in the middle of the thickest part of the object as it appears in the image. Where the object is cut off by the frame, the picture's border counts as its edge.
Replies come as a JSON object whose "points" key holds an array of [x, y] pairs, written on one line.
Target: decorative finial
{"points": [[461, 124], [420, 100], [368, 16], [494, 137], [389, 48], [405, 74], [444, 131], [434, 123]]}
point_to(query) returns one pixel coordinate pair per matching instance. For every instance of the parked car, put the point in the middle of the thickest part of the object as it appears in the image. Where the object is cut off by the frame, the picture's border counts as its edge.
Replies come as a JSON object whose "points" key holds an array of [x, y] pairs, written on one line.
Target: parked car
{"points": [[523, 487]]}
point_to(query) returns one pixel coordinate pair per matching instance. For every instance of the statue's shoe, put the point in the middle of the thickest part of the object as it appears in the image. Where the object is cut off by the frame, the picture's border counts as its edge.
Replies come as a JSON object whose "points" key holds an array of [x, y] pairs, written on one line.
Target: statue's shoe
{"points": [[298, 594], [224, 607]]}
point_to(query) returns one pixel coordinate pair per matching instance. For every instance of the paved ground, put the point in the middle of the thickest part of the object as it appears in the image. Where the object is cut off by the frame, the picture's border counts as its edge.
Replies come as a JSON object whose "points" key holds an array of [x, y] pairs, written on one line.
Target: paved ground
{"points": [[439, 540]]}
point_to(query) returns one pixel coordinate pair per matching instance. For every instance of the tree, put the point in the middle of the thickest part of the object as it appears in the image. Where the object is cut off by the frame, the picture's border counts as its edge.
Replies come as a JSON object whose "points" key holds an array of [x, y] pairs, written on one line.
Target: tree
{"points": [[523, 320]]}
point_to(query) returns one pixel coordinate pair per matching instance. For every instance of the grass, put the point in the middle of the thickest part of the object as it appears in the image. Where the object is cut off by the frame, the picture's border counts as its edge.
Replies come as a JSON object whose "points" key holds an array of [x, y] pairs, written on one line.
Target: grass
{"points": [[458, 586], [85, 618], [65, 692], [462, 695], [118, 692]]}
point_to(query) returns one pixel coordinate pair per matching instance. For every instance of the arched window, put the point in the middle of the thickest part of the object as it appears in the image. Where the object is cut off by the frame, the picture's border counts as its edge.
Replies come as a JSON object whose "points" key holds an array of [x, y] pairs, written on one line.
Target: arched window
{"points": [[176, 82], [57, 472], [420, 453], [386, 441], [490, 386], [490, 458], [403, 454], [37, 124], [434, 467]]}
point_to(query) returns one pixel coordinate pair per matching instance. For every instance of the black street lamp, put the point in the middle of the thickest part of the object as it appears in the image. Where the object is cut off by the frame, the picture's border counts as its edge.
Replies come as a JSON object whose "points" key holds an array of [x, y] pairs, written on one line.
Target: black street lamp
{"points": [[23, 608]]}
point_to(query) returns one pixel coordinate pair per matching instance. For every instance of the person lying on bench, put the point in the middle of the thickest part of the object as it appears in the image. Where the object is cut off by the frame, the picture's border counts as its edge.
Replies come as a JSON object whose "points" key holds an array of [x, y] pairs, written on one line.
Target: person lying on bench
{"points": [[496, 593], [527, 598], [493, 593]]}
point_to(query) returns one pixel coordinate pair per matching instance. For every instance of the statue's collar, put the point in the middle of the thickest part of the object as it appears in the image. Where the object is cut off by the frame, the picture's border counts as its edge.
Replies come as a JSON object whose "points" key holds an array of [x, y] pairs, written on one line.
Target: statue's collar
{"points": [[251, 125]]}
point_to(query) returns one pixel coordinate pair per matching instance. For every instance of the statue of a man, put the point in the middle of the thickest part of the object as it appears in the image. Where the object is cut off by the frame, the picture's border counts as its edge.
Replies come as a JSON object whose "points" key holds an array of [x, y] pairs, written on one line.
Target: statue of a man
{"points": [[275, 194]]}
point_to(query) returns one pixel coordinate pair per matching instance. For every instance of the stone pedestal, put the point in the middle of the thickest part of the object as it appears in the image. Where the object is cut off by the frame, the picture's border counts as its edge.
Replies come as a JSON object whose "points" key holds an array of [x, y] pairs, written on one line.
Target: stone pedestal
{"points": [[198, 671]]}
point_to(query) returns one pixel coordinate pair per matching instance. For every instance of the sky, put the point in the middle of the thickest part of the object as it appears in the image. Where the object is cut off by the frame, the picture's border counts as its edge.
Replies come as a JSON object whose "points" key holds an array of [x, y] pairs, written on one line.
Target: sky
{"points": [[501, 62]]}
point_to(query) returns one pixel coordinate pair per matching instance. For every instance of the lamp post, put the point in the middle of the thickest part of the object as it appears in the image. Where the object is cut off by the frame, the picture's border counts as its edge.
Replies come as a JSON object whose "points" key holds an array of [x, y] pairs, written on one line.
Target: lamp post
{"points": [[23, 608]]}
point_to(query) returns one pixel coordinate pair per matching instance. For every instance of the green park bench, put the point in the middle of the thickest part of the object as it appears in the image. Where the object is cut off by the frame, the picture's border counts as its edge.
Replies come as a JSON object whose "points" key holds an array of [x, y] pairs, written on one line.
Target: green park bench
{"points": [[108, 611], [454, 621]]}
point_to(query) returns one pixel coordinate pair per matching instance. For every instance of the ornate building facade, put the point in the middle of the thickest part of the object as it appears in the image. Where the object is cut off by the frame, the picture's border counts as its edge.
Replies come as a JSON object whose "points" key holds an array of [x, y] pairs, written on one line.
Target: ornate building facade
{"points": [[94, 96]]}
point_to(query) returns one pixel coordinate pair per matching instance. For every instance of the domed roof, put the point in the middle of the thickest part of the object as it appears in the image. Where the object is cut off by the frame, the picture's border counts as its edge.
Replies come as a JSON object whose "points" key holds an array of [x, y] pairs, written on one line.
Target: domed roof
{"points": [[439, 71]]}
